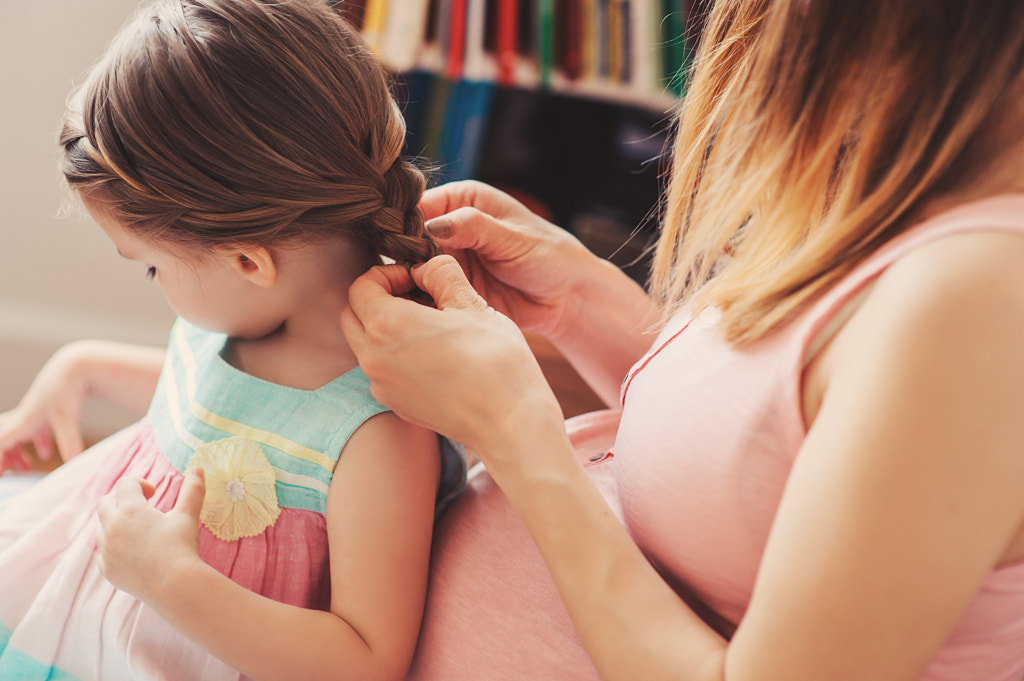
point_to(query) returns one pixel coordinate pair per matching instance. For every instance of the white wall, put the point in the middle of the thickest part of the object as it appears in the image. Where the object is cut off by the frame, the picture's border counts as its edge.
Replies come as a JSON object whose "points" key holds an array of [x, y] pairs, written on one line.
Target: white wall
{"points": [[60, 279]]}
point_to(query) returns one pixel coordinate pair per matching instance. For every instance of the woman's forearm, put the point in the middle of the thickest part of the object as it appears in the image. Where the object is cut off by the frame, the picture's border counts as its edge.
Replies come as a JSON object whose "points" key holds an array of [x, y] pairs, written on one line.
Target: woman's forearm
{"points": [[630, 621], [606, 328]]}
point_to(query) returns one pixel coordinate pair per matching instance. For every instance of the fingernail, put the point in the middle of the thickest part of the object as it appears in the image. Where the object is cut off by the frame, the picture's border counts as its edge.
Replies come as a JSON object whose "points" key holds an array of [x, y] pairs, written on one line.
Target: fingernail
{"points": [[439, 228]]}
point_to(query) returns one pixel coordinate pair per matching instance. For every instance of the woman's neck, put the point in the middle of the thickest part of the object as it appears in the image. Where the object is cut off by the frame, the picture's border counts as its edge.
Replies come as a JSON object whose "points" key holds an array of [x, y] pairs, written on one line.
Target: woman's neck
{"points": [[999, 154]]}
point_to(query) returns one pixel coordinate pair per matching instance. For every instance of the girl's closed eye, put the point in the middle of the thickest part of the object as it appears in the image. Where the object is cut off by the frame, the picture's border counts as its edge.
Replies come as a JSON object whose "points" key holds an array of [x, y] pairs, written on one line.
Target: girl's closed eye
{"points": [[150, 272]]}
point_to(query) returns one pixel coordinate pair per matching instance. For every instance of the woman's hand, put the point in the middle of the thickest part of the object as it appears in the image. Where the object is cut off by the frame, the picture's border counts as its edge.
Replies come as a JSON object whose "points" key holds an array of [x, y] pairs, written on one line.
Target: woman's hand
{"points": [[545, 280], [524, 267], [139, 548], [463, 370], [49, 416]]}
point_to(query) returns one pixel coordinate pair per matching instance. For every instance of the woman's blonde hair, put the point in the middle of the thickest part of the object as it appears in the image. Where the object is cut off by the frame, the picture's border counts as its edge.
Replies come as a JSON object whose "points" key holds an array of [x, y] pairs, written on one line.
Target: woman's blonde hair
{"points": [[812, 132], [225, 122]]}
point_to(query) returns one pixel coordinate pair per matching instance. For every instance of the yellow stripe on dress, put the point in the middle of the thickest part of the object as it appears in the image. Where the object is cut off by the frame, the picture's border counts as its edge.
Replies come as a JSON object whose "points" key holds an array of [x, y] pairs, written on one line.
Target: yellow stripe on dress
{"points": [[234, 427], [184, 434]]}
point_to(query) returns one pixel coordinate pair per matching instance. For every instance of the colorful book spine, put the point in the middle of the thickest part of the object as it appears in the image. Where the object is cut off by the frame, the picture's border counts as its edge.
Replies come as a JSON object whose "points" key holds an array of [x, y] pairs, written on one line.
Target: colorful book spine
{"points": [[673, 43], [545, 40], [571, 33], [507, 40], [590, 35], [477, 65], [374, 17], [642, 51], [456, 48], [614, 40], [403, 33]]}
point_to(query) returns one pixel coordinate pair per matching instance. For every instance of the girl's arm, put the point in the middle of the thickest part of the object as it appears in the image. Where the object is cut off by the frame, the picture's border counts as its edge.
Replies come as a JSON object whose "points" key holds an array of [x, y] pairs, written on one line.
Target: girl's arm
{"points": [[545, 280], [124, 375], [904, 497], [380, 513]]}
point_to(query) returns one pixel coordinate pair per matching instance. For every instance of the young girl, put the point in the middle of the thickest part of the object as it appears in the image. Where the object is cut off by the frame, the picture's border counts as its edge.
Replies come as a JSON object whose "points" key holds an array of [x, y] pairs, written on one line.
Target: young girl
{"points": [[246, 153]]}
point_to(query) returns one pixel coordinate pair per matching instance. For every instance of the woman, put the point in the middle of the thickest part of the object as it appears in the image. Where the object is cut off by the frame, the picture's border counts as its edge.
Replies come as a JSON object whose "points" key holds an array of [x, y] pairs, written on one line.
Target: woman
{"points": [[818, 468], [823, 444]]}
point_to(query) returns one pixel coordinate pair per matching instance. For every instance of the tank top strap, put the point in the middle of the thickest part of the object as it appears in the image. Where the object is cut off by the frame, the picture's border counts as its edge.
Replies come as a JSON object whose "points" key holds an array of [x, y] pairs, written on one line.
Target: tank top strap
{"points": [[815, 326]]}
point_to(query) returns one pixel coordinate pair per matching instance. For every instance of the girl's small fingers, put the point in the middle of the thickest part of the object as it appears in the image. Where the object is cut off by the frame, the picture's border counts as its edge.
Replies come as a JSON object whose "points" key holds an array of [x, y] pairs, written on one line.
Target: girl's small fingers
{"points": [[105, 507], [99, 537], [128, 490], [15, 458], [148, 488], [12, 430], [42, 440], [22, 462], [192, 494]]}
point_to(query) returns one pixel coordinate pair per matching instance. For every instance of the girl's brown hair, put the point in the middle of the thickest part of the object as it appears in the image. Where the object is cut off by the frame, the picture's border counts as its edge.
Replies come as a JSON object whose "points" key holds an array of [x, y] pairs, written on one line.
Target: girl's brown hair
{"points": [[225, 122], [813, 132]]}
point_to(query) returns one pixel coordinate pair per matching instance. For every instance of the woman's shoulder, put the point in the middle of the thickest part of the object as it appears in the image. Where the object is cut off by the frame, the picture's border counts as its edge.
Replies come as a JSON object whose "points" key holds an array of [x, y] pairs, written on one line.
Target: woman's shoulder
{"points": [[949, 297]]}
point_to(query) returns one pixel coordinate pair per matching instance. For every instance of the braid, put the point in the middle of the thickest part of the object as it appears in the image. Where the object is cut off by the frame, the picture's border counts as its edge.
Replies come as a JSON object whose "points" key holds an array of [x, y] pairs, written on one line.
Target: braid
{"points": [[397, 229]]}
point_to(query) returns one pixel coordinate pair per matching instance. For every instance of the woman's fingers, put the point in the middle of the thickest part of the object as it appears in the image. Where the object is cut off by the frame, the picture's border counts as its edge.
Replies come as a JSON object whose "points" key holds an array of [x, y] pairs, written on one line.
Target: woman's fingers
{"points": [[443, 199], [443, 279], [379, 283], [372, 294], [465, 228]]}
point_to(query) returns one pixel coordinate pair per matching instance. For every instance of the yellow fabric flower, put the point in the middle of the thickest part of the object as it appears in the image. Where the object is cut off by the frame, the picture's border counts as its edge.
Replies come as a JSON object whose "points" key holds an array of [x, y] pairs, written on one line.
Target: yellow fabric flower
{"points": [[241, 500]]}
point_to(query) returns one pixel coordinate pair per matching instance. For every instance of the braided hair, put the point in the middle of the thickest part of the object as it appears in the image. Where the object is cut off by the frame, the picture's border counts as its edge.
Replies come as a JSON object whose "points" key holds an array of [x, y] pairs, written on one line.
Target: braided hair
{"points": [[228, 122]]}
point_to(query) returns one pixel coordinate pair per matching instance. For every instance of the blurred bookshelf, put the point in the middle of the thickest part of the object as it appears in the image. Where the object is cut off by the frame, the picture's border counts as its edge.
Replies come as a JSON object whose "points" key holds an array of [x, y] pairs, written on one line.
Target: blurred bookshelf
{"points": [[565, 104]]}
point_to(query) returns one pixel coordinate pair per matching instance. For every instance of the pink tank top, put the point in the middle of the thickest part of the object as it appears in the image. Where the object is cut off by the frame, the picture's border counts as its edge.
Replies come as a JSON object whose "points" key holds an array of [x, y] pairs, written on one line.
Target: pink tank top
{"points": [[702, 460], [707, 436]]}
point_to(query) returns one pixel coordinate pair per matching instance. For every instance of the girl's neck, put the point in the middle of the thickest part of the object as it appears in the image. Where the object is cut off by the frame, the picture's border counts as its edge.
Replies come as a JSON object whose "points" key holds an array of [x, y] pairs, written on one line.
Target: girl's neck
{"points": [[308, 349]]}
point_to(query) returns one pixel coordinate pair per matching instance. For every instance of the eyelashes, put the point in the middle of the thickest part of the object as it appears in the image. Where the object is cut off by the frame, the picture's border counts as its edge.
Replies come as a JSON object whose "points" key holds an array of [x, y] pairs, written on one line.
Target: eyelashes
{"points": [[150, 273]]}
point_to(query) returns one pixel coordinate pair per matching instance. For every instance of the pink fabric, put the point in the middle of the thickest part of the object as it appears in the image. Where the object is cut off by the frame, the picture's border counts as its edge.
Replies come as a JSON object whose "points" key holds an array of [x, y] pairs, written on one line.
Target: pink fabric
{"points": [[492, 609], [65, 614], [707, 438]]}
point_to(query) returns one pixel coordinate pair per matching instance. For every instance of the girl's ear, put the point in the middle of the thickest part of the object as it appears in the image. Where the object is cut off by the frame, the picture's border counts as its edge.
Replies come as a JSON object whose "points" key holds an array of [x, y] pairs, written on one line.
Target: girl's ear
{"points": [[256, 264]]}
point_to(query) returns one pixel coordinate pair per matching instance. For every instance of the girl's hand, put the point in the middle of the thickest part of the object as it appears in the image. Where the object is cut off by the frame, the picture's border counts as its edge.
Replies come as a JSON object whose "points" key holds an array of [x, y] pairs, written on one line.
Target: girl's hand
{"points": [[524, 267], [49, 416], [463, 370], [139, 548]]}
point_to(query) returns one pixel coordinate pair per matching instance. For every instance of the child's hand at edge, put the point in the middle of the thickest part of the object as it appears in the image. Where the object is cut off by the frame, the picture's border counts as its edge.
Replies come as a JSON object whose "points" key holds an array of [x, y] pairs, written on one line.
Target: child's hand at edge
{"points": [[138, 547], [49, 416]]}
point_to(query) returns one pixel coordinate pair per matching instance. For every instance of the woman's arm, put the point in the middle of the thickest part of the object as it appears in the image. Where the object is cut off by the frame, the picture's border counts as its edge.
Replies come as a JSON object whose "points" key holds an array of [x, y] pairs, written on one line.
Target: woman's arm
{"points": [[380, 513], [904, 497], [545, 280], [124, 375]]}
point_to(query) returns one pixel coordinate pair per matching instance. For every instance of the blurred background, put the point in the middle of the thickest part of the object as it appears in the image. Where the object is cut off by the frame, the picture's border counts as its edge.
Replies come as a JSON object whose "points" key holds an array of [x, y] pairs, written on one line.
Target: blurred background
{"points": [[564, 103], [60, 278]]}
